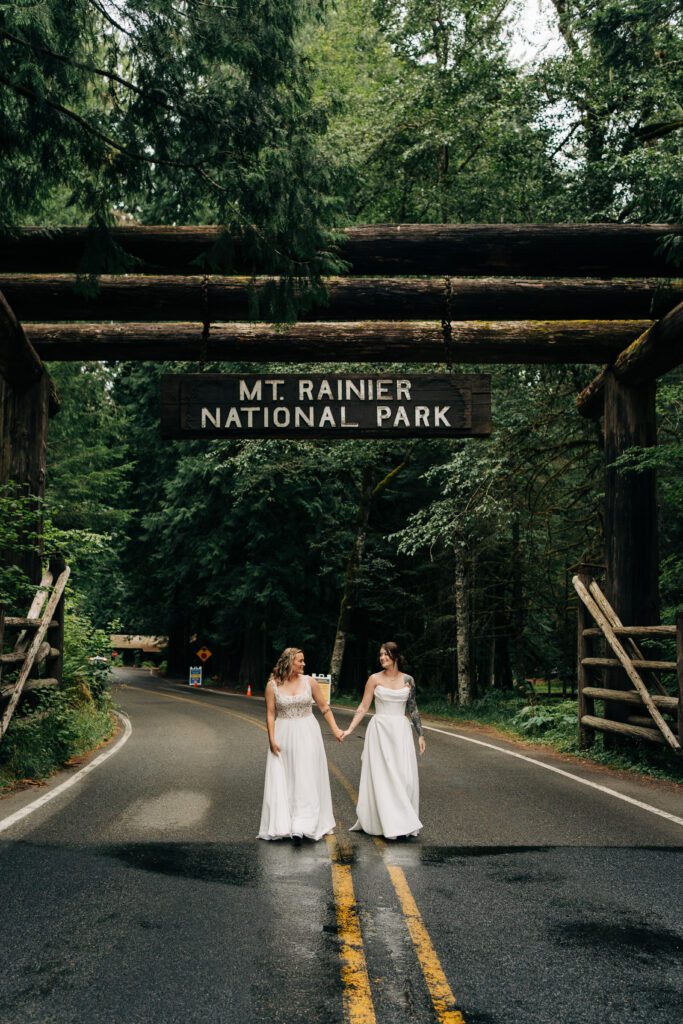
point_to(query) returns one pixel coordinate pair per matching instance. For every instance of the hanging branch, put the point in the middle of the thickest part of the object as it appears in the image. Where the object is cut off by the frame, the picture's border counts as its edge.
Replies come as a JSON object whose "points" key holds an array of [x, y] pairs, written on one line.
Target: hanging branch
{"points": [[83, 67]]}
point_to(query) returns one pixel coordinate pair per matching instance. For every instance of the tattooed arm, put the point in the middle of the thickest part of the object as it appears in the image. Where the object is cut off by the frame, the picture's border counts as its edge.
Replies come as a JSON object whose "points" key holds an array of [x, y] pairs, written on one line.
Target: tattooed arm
{"points": [[414, 714]]}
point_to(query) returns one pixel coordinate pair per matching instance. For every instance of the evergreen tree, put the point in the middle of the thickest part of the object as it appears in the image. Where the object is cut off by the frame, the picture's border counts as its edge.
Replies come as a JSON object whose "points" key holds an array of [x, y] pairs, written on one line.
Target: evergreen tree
{"points": [[170, 113]]}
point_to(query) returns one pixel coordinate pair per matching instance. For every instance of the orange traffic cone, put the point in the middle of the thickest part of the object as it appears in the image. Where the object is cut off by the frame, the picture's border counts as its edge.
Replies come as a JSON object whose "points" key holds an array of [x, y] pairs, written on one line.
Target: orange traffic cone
{"points": [[248, 689]]}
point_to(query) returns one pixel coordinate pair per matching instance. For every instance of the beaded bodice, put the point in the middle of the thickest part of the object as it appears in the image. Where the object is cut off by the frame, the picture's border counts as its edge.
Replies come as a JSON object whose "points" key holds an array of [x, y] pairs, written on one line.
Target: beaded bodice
{"points": [[296, 706]]}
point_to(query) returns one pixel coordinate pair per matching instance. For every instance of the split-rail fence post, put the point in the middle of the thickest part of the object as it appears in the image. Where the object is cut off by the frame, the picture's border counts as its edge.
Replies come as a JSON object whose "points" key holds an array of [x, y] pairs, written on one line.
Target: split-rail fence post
{"points": [[586, 704], [679, 672], [55, 664]]}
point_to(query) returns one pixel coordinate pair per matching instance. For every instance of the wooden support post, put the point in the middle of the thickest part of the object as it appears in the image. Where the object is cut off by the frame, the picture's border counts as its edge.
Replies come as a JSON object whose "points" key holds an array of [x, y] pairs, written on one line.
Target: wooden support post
{"points": [[631, 527], [679, 672], [19, 363], [23, 438], [586, 705], [26, 396], [2, 634], [655, 352], [55, 664]]}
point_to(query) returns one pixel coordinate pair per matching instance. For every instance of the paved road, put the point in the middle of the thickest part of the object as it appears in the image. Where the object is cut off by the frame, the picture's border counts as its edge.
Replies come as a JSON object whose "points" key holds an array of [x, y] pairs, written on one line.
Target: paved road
{"points": [[141, 894]]}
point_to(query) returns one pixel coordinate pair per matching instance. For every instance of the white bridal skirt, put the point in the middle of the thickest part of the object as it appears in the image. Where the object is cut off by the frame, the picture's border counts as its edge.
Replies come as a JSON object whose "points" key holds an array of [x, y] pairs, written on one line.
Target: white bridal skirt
{"points": [[389, 792], [296, 797]]}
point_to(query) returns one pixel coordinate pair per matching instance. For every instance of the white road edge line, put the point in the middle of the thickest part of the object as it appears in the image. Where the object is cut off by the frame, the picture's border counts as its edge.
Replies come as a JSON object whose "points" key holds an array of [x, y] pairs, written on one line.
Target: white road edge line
{"points": [[561, 771], [522, 757], [6, 823]]}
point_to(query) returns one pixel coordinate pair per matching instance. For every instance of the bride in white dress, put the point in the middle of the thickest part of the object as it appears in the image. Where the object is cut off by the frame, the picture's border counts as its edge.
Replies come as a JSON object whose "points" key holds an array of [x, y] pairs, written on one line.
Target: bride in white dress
{"points": [[296, 798], [389, 792]]}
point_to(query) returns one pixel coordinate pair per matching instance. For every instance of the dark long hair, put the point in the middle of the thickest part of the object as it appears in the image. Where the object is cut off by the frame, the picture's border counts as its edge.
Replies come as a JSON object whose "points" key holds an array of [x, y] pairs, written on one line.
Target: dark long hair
{"points": [[394, 653]]}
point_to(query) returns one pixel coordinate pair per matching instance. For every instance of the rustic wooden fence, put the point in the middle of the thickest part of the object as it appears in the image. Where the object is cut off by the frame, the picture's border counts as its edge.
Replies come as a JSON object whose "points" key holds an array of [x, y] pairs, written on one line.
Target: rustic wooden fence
{"points": [[634, 711], [32, 646]]}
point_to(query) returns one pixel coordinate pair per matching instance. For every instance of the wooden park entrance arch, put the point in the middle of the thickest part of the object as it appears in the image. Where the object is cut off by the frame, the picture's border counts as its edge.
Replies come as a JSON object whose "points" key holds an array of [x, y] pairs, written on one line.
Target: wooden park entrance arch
{"points": [[598, 294]]}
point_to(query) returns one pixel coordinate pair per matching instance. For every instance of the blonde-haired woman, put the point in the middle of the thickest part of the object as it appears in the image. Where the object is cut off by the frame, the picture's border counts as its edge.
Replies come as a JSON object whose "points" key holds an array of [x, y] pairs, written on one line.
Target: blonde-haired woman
{"points": [[296, 798]]}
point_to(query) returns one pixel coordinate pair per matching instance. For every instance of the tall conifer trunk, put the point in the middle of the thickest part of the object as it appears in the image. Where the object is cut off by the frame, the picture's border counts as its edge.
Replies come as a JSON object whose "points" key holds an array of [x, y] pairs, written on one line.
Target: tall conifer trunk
{"points": [[462, 624], [352, 572]]}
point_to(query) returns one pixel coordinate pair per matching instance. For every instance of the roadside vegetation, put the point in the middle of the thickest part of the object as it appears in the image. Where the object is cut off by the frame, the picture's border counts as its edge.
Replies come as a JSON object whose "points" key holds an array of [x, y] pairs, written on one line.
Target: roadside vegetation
{"points": [[52, 727], [552, 724]]}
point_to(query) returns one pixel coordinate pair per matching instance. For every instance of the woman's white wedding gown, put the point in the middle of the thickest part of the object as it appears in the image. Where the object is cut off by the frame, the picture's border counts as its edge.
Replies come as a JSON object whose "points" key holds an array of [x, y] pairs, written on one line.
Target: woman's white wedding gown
{"points": [[296, 798], [389, 792]]}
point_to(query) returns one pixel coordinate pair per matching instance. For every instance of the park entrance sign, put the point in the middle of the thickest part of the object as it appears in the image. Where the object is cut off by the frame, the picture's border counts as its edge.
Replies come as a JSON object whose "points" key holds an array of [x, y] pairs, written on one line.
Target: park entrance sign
{"points": [[220, 405]]}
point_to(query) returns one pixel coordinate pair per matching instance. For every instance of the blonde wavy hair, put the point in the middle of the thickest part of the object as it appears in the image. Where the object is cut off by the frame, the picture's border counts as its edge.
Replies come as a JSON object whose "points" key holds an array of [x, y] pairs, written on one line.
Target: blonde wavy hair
{"points": [[283, 665]]}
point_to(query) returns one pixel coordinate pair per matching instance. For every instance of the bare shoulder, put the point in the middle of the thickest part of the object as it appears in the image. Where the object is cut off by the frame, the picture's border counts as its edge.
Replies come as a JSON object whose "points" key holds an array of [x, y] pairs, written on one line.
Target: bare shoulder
{"points": [[409, 681]]}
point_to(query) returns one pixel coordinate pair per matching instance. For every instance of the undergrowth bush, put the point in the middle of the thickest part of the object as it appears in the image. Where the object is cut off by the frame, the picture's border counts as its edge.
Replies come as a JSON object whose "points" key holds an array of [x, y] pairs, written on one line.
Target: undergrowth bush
{"points": [[51, 726], [554, 724], [556, 721], [60, 725]]}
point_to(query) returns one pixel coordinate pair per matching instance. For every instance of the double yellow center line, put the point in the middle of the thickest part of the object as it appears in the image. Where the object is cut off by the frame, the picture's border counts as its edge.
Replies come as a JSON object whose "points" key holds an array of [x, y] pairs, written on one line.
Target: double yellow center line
{"points": [[357, 994], [440, 991]]}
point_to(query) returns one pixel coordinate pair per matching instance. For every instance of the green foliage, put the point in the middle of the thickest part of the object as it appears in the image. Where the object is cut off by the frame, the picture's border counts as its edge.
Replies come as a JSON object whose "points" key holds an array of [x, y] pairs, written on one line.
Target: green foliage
{"points": [[522, 506], [20, 522], [61, 724], [87, 490], [437, 123], [168, 113], [620, 69], [556, 721], [53, 725], [83, 642]]}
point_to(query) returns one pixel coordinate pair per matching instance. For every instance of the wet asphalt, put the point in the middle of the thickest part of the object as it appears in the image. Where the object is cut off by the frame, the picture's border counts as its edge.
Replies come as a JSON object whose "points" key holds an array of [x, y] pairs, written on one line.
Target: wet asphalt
{"points": [[142, 895]]}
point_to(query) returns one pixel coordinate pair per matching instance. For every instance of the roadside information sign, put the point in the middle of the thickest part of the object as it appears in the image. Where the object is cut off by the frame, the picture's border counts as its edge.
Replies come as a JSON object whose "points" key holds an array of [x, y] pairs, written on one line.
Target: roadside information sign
{"points": [[196, 675], [204, 653], [325, 684]]}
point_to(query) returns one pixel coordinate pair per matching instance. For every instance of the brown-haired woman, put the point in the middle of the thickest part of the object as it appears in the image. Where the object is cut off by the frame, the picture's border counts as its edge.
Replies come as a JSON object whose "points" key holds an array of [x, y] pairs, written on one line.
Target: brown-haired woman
{"points": [[389, 791], [296, 798]]}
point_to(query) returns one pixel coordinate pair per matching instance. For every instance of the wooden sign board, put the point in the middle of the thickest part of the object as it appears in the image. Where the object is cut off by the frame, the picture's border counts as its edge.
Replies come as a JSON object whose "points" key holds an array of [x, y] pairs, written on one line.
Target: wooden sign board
{"points": [[220, 405]]}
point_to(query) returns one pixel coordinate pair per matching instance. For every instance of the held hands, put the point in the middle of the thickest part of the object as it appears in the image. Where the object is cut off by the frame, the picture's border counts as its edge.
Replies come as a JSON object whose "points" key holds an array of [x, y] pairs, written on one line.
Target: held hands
{"points": [[421, 744], [342, 735], [339, 735]]}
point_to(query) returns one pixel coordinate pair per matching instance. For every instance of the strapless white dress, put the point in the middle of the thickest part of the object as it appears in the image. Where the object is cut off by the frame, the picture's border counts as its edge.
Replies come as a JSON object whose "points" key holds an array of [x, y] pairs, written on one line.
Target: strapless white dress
{"points": [[296, 797], [389, 791]]}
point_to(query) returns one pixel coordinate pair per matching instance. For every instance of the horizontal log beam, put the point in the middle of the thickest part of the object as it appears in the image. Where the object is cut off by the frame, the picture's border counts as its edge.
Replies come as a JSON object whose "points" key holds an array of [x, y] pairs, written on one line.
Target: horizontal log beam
{"points": [[536, 250], [13, 658], [634, 631], [630, 697], [19, 363], [54, 297], [622, 728], [17, 620], [643, 720], [655, 666], [656, 351], [507, 342], [30, 684]]}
